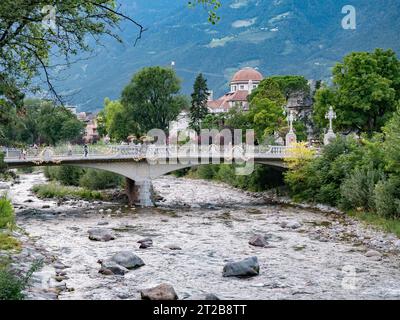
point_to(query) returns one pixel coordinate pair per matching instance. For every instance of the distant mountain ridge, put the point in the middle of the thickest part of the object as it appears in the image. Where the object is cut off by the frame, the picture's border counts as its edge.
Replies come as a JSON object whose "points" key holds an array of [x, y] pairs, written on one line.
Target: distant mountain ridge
{"points": [[276, 36]]}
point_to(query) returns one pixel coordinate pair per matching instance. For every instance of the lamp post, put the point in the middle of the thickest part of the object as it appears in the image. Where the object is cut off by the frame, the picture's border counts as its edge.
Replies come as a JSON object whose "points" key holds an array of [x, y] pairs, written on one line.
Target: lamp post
{"points": [[330, 135], [291, 137]]}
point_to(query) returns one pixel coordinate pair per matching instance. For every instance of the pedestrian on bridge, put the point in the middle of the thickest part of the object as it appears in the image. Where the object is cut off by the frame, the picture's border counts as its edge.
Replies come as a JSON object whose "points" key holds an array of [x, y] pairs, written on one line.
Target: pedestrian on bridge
{"points": [[86, 150], [23, 154]]}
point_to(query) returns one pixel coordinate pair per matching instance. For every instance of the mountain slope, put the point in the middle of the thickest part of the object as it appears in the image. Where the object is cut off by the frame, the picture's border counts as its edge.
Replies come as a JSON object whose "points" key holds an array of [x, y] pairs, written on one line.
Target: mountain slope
{"points": [[277, 36]]}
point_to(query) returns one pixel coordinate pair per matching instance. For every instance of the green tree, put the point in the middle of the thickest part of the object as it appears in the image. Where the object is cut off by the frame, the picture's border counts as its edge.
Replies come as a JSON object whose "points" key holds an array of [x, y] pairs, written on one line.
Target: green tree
{"points": [[266, 117], [151, 99], [57, 124], [290, 84], [391, 145], [365, 92], [198, 108], [269, 89], [117, 124]]}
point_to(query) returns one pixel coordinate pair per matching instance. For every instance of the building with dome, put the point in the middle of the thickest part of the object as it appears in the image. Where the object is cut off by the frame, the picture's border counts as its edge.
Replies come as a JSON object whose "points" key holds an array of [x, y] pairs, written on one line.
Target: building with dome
{"points": [[241, 86]]}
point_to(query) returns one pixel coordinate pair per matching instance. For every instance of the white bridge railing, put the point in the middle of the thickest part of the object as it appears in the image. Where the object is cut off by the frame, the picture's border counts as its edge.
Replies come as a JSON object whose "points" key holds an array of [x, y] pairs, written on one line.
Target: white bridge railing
{"points": [[139, 152]]}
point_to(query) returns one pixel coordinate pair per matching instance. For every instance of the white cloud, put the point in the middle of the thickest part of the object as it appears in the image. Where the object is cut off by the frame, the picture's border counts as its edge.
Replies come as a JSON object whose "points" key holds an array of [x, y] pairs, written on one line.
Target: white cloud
{"points": [[219, 42], [239, 4], [244, 23]]}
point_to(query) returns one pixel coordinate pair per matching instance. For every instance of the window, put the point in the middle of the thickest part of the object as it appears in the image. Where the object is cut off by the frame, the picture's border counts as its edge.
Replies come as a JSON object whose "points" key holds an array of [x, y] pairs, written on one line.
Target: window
{"points": [[242, 87], [233, 88]]}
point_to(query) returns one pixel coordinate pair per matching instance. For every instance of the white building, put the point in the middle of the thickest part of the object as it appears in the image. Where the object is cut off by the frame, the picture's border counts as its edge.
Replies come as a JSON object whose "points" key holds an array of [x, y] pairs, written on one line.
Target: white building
{"points": [[180, 124]]}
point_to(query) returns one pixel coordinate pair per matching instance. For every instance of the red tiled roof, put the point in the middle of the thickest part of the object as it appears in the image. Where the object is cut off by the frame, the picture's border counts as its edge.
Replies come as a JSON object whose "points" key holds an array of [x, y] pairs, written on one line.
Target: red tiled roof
{"points": [[224, 101], [247, 74]]}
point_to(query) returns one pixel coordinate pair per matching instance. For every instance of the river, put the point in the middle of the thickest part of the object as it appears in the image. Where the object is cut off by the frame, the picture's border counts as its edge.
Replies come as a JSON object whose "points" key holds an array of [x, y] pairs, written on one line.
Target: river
{"points": [[327, 256]]}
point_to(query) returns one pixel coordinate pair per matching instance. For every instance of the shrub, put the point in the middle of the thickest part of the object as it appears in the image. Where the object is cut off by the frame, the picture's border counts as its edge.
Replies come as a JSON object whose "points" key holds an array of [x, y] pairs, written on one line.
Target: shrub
{"points": [[7, 242], [3, 165], [357, 191], [11, 286], [100, 180], [54, 190], [387, 197], [69, 176], [207, 172], [319, 179], [26, 170], [7, 214]]}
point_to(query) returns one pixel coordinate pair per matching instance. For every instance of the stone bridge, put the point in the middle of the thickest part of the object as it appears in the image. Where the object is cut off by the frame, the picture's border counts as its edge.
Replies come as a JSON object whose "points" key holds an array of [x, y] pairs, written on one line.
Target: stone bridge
{"points": [[141, 164]]}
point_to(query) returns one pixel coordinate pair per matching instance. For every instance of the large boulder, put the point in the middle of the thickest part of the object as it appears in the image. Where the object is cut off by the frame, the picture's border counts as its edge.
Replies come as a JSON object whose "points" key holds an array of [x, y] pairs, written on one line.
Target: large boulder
{"points": [[161, 292], [245, 268], [211, 297], [110, 267], [4, 186], [291, 224], [128, 260], [259, 241], [102, 235]]}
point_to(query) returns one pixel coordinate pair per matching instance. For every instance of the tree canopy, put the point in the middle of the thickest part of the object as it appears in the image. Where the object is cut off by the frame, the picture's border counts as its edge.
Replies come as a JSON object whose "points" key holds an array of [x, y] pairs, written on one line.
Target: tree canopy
{"points": [[39, 122], [28, 42], [151, 100], [365, 91]]}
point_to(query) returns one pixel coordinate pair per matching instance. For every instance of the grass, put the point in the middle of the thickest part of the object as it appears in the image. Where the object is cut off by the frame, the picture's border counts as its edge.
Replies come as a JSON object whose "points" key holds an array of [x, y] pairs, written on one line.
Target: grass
{"points": [[8, 242], [13, 285], [7, 214], [57, 191], [382, 223]]}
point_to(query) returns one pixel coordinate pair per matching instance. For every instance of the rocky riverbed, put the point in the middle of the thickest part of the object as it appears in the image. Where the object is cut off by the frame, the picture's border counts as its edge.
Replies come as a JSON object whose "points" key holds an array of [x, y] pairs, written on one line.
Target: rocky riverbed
{"points": [[198, 229]]}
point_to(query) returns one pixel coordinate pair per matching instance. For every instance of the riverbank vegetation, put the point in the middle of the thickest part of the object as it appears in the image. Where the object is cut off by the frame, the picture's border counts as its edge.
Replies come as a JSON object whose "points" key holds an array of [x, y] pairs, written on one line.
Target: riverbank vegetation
{"points": [[56, 191], [11, 286], [360, 172], [263, 177], [90, 179]]}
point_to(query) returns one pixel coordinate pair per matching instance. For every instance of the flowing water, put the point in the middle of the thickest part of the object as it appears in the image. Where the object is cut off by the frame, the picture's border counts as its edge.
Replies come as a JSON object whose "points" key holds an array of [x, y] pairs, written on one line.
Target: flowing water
{"points": [[325, 258]]}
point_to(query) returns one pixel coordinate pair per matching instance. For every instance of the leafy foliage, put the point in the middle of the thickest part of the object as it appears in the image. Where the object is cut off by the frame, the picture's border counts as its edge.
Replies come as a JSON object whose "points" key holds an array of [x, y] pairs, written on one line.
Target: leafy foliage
{"points": [[37, 122], [11, 286], [56, 191], [151, 99], [86, 178], [357, 191], [387, 197], [115, 122], [391, 145], [211, 5], [7, 214], [99, 180], [261, 179], [25, 44], [365, 94]]}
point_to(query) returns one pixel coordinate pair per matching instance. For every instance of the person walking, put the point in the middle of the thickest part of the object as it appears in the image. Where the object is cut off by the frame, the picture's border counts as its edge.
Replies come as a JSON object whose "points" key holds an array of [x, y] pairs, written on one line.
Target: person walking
{"points": [[86, 150]]}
